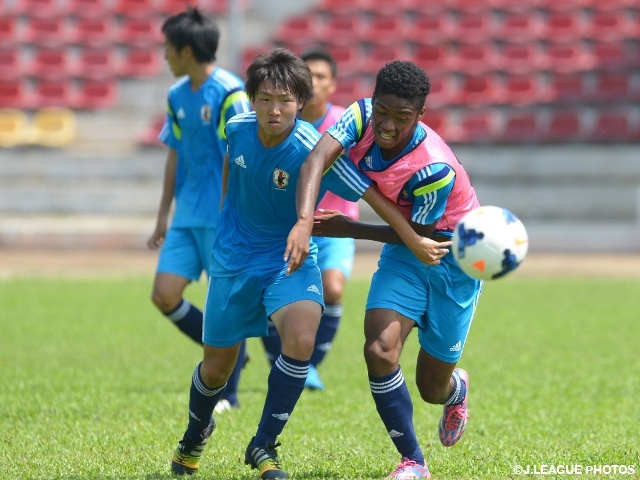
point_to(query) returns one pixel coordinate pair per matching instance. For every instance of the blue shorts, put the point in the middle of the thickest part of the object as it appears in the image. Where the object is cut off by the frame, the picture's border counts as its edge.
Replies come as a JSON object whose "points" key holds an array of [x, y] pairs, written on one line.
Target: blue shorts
{"points": [[186, 252], [335, 254], [238, 307], [441, 299]]}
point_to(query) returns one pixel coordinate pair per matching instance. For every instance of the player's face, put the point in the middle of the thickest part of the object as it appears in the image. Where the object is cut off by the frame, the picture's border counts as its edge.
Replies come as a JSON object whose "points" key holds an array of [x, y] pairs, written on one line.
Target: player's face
{"points": [[276, 110], [323, 82], [175, 59], [394, 120]]}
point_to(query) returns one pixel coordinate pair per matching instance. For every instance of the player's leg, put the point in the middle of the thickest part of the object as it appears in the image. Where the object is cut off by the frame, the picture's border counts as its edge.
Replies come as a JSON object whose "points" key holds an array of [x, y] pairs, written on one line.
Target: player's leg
{"points": [[394, 306], [229, 400], [178, 264], [272, 344], [294, 304], [452, 301]]}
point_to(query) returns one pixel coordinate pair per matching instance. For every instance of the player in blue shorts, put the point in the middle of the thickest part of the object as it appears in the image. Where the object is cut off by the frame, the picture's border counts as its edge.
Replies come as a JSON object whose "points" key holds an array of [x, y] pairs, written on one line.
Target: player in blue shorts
{"points": [[198, 107], [413, 167], [335, 255], [250, 279]]}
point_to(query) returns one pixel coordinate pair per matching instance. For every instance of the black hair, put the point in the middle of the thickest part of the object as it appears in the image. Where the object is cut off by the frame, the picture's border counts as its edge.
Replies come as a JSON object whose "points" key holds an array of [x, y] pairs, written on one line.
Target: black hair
{"points": [[404, 80], [322, 55], [285, 69], [194, 29]]}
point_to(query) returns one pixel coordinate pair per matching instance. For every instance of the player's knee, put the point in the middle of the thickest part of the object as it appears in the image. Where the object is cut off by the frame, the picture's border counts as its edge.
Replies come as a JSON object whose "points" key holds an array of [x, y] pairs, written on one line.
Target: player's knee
{"points": [[332, 293], [380, 356], [211, 375], [163, 301]]}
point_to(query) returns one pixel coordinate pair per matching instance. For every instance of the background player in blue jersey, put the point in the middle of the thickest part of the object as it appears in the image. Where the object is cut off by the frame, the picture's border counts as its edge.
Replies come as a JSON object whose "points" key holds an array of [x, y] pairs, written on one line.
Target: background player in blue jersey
{"points": [[199, 105], [415, 168], [335, 255], [250, 280]]}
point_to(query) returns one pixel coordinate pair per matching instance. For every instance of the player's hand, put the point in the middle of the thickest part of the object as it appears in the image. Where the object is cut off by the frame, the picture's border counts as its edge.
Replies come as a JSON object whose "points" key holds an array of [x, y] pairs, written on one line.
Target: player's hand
{"points": [[297, 246], [429, 251], [331, 223], [156, 239]]}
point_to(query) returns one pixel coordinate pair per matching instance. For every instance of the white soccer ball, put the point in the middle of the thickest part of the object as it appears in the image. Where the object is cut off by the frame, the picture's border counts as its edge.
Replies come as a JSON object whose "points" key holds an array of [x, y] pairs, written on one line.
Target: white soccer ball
{"points": [[489, 242]]}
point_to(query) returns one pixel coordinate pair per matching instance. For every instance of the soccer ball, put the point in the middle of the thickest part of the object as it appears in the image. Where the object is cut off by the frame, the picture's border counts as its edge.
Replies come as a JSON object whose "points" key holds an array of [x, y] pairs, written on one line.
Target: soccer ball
{"points": [[489, 242]]}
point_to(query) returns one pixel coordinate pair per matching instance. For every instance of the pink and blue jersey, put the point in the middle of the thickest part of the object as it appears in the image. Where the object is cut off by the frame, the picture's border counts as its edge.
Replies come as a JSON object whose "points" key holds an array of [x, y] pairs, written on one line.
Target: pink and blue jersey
{"points": [[195, 129]]}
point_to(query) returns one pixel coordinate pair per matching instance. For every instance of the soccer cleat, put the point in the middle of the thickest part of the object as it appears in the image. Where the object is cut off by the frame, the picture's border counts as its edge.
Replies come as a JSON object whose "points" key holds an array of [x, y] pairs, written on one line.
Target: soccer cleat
{"points": [[409, 470], [265, 460], [313, 381], [225, 405], [454, 417], [186, 458]]}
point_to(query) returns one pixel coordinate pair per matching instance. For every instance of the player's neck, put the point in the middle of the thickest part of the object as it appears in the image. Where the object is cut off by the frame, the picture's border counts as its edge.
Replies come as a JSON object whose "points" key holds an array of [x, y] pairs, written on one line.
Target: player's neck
{"points": [[199, 74]]}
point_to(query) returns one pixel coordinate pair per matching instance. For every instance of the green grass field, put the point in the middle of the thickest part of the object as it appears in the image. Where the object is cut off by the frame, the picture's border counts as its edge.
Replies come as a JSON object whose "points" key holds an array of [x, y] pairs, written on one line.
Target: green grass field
{"points": [[95, 385]]}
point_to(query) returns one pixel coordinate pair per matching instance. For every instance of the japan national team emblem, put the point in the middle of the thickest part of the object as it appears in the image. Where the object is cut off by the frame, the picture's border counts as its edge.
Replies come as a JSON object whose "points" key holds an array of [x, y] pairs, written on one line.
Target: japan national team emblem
{"points": [[280, 178], [205, 113]]}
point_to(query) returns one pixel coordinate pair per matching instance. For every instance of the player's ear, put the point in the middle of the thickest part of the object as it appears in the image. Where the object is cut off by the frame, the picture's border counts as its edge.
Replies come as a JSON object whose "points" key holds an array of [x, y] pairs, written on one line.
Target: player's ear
{"points": [[421, 112]]}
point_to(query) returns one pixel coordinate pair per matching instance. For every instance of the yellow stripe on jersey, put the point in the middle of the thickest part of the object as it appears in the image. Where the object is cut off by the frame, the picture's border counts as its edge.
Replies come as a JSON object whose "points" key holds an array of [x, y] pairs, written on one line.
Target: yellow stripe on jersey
{"points": [[177, 132], [358, 115], [432, 187], [239, 96]]}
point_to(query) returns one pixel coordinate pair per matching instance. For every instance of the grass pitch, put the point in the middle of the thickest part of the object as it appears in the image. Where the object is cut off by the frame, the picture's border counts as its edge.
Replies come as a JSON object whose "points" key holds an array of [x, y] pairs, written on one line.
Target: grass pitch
{"points": [[95, 385]]}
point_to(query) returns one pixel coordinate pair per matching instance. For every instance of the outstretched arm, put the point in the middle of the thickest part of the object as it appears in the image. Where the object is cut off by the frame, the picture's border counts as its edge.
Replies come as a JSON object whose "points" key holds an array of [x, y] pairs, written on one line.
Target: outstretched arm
{"points": [[321, 157]]}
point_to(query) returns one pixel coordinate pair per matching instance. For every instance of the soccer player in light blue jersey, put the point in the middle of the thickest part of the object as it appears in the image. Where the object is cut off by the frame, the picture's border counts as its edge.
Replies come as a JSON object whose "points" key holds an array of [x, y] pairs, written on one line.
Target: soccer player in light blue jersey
{"points": [[199, 105], [250, 277], [412, 166]]}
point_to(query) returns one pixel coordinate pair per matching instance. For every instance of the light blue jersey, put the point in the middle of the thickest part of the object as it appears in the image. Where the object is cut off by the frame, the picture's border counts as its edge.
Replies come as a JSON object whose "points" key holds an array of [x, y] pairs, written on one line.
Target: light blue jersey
{"points": [[195, 129], [259, 209]]}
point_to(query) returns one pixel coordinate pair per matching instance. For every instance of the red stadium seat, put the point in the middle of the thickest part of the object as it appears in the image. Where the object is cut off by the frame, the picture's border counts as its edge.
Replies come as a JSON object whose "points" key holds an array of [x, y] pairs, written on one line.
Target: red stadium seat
{"points": [[53, 93], [478, 90], [562, 26], [141, 62], [521, 27], [430, 29], [14, 94], [438, 121], [134, 8], [509, 6], [98, 32], [10, 32], [50, 64], [562, 6], [349, 58], [298, 33], [444, 92], [338, 8], [433, 59], [475, 126], [351, 89], [566, 58], [469, 6], [12, 65], [425, 7], [384, 29], [40, 8], [140, 32], [566, 89], [474, 58], [48, 32], [612, 126], [563, 126], [473, 27], [95, 95], [520, 127], [608, 26], [520, 90], [343, 29], [519, 58], [91, 8], [96, 64], [612, 87], [613, 56], [379, 55], [171, 7]]}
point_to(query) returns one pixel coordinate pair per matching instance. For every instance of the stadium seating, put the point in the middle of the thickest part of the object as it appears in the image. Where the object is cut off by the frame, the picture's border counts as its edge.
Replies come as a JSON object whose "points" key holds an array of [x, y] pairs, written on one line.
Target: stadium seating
{"points": [[10, 33], [520, 127], [96, 94], [430, 29], [563, 126], [140, 32], [520, 27], [12, 66], [140, 62], [476, 126], [53, 93], [149, 137], [53, 127], [611, 126], [96, 64], [85, 9], [476, 27], [48, 32], [438, 120], [14, 93], [520, 90], [433, 59], [50, 64], [474, 58], [519, 58], [564, 26], [94, 32], [565, 89], [13, 127], [134, 8], [40, 8], [612, 87]]}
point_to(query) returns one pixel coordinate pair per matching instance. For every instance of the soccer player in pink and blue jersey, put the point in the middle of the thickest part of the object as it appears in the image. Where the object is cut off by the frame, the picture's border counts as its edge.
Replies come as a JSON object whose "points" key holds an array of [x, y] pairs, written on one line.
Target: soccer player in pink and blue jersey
{"points": [[414, 168], [335, 255]]}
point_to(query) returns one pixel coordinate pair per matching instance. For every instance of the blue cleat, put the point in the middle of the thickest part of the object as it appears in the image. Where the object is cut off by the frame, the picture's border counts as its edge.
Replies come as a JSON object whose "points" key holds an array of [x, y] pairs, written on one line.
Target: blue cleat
{"points": [[313, 381]]}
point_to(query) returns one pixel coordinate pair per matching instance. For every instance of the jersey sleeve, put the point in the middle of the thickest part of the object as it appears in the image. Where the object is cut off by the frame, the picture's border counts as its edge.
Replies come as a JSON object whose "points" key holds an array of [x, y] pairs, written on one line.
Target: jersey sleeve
{"points": [[430, 189], [350, 128], [170, 133], [345, 180], [235, 102]]}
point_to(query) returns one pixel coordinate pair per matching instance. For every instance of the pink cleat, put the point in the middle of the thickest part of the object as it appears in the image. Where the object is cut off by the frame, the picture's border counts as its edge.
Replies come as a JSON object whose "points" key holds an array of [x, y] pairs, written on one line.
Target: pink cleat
{"points": [[410, 470], [454, 418]]}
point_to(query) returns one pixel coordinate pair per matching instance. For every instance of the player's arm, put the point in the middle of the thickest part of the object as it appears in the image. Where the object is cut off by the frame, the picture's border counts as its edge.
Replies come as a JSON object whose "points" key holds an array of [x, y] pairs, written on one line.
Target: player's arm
{"points": [[319, 159], [168, 190]]}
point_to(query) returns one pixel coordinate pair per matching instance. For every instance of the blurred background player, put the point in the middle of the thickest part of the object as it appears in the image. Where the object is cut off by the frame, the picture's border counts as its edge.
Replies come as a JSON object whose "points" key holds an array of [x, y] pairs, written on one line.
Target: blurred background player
{"points": [[413, 167], [199, 105], [335, 255]]}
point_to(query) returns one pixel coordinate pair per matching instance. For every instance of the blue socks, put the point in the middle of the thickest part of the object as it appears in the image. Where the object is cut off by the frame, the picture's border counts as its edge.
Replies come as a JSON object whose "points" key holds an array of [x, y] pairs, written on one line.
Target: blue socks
{"points": [[188, 319], [326, 332], [458, 392], [231, 393], [395, 408], [286, 383], [202, 401]]}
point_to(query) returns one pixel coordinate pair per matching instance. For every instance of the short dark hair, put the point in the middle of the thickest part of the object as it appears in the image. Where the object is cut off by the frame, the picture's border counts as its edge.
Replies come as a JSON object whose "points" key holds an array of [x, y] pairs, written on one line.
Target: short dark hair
{"points": [[194, 29], [322, 55], [285, 69], [404, 80]]}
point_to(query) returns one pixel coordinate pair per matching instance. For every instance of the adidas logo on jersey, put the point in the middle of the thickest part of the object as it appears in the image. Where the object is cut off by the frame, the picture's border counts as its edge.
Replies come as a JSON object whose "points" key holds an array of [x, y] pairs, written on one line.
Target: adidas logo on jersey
{"points": [[240, 161], [457, 347], [314, 289], [368, 160], [181, 113]]}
